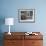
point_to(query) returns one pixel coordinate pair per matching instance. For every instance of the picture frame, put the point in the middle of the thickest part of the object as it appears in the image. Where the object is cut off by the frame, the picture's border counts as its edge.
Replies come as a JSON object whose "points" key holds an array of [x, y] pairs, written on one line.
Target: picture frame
{"points": [[26, 15]]}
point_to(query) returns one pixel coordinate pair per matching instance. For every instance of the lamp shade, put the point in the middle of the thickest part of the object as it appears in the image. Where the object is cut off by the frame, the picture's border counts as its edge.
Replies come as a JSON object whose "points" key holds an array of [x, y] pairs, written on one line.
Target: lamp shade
{"points": [[9, 21]]}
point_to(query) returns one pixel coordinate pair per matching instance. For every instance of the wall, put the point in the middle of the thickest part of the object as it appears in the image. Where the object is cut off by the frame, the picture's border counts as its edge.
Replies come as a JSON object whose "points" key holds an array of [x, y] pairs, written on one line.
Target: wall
{"points": [[9, 8]]}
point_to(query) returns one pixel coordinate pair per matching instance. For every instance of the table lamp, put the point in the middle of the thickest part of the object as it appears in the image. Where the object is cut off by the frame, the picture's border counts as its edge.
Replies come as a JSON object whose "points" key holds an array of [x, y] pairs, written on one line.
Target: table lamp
{"points": [[9, 21]]}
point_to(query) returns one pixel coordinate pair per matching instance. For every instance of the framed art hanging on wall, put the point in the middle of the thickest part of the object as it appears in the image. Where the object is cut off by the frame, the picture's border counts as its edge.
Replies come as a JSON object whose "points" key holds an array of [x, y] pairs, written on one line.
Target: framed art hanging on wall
{"points": [[26, 15]]}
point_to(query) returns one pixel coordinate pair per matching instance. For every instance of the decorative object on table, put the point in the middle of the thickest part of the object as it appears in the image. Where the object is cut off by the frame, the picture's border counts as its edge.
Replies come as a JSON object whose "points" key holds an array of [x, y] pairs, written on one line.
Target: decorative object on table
{"points": [[9, 21], [30, 33], [26, 15]]}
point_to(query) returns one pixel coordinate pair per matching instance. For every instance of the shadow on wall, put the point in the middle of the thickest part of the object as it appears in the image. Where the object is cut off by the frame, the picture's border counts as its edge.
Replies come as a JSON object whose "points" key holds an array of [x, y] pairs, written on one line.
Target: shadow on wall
{"points": [[2, 21]]}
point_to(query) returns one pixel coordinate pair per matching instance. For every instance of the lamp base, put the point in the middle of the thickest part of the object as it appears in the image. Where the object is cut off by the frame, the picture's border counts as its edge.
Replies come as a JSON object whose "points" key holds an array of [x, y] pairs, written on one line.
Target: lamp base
{"points": [[9, 33]]}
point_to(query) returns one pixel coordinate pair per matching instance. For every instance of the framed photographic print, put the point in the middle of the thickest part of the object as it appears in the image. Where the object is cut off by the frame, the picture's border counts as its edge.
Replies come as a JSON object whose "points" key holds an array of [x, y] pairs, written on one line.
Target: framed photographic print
{"points": [[26, 15]]}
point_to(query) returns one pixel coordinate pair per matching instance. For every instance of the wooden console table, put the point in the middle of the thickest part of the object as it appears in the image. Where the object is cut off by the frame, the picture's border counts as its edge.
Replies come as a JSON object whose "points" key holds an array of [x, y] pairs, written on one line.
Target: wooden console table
{"points": [[20, 39]]}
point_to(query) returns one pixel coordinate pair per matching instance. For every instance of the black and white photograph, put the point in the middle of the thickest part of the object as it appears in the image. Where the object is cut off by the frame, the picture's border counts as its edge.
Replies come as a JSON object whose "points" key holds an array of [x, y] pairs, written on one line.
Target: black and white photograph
{"points": [[26, 15]]}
